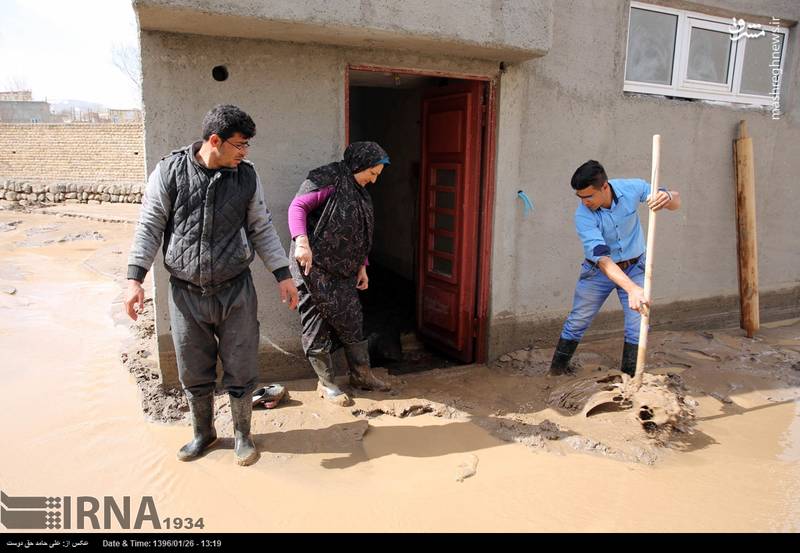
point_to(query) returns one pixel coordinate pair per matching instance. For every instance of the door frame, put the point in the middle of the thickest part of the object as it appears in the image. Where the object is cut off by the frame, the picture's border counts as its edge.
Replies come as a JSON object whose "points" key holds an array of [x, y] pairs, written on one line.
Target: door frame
{"points": [[487, 184]]}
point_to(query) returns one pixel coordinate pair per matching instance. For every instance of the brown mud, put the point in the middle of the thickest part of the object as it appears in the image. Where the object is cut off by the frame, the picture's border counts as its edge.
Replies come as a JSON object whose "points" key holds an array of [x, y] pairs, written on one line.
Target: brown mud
{"points": [[466, 448]]}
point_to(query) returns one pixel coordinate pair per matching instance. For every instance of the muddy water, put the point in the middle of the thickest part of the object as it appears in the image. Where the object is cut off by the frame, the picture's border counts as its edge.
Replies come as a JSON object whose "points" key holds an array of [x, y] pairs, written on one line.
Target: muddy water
{"points": [[72, 425]]}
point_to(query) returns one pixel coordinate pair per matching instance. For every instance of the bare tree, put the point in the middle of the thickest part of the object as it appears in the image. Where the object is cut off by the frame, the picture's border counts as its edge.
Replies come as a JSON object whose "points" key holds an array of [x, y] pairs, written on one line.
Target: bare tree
{"points": [[16, 83], [127, 59]]}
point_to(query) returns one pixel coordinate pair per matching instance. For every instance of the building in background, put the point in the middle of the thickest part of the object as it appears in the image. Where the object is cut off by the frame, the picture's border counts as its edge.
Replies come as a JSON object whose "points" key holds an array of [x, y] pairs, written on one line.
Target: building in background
{"points": [[18, 106]]}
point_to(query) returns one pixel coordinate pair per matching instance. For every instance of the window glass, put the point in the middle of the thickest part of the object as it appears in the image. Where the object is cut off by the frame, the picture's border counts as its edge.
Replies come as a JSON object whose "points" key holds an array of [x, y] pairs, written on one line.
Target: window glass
{"points": [[709, 56], [761, 56], [442, 266], [443, 243], [446, 200], [651, 47], [444, 221], [445, 177]]}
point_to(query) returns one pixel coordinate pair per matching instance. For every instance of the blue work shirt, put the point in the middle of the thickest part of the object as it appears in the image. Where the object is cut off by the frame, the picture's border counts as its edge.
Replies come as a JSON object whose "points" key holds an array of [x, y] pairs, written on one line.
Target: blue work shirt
{"points": [[616, 228]]}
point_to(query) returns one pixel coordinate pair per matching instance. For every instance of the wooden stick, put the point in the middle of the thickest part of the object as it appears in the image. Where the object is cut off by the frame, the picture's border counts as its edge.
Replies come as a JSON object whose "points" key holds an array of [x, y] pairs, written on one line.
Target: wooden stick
{"points": [[746, 245], [644, 325]]}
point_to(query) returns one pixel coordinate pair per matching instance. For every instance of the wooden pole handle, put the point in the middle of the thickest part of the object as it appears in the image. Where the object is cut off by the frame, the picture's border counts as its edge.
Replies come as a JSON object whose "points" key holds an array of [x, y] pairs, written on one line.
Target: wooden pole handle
{"points": [[644, 325], [746, 243]]}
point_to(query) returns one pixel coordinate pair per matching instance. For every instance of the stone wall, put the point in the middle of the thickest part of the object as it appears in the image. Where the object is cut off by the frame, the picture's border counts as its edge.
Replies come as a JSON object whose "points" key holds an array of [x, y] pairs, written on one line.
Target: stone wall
{"points": [[73, 163], [28, 193]]}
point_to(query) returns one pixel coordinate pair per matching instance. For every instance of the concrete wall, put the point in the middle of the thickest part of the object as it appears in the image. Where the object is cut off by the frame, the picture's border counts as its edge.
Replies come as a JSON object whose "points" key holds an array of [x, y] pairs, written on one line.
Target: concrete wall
{"points": [[568, 106], [77, 152], [496, 29], [554, 113]]}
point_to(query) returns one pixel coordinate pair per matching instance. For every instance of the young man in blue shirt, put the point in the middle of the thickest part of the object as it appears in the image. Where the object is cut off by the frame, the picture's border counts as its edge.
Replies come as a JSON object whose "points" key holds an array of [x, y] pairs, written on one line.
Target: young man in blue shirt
{"points": [[608, 225]]}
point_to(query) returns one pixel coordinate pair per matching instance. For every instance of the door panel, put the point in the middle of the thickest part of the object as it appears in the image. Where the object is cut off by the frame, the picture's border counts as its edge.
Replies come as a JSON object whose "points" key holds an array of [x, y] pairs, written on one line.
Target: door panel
{"points": [[449, 201], [445, 132]]}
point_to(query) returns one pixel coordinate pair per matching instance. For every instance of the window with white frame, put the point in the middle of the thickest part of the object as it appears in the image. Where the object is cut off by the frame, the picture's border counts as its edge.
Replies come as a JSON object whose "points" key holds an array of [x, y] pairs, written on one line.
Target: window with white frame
{"points": [[692, 55]]}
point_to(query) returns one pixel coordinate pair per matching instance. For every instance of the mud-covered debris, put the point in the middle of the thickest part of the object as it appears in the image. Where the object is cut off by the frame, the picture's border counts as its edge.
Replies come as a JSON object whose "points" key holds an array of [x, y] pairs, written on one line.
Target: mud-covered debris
{"points": [[401, 411], [159, 404], [575, 393], [41, 230], [11, 225], [144, 327], [658, 405], [532, 362], [534, 436], [467, 468], [88, 235], [583, 443], [700, 354], [550, 430]]}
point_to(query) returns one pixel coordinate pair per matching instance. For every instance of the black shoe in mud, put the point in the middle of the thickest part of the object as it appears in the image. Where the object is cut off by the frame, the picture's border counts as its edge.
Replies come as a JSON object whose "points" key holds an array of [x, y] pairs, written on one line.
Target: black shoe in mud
{"points": [[361, 375], [629, 354], [562, 356]]}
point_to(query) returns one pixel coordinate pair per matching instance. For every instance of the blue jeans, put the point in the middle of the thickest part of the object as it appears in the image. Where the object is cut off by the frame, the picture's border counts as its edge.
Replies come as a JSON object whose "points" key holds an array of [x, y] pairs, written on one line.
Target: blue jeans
{"points": [[591, 292]]}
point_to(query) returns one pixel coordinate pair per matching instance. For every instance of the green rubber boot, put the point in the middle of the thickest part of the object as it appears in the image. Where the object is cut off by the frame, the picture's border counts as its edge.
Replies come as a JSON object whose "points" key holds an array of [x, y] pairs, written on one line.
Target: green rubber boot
{"points": [[202, 410], [244, 450]]}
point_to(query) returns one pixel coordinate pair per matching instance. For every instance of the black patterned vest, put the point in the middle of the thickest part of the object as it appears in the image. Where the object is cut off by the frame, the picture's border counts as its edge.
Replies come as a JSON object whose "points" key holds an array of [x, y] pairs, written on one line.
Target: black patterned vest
{"points": [[205, 242]]}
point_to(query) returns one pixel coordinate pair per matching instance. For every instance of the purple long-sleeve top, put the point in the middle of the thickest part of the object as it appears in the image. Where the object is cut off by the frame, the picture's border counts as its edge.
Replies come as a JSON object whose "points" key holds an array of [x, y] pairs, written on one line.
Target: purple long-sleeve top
{"points": [[304, 204]]}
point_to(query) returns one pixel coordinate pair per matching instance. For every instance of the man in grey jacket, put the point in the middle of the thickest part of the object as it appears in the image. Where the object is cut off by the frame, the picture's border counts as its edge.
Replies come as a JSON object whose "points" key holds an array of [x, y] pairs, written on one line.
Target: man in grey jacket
{"points": [[206, 202]]}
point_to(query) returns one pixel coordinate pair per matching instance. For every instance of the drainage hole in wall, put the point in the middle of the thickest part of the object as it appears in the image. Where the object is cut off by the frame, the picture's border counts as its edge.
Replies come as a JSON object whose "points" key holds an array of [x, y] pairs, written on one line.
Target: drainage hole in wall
{"points": [[220, 73]]}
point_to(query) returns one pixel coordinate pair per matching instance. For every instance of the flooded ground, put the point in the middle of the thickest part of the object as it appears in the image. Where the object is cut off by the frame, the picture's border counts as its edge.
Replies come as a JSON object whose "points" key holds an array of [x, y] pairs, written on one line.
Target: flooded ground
{"points": [[459, 449]]}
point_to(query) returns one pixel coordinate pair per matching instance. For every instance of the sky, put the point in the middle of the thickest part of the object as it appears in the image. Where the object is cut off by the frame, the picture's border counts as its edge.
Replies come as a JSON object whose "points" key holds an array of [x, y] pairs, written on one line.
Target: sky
{"points": [[62, 49]]}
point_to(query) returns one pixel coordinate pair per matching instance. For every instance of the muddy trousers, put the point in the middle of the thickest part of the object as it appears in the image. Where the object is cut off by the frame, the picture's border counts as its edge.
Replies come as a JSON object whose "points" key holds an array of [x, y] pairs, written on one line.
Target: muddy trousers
{"points": [[332, 320], [223, 325], [591, 292]]}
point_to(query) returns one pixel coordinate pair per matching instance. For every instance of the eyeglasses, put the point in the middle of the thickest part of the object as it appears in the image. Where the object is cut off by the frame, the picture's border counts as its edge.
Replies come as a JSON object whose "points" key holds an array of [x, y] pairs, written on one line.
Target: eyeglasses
{"points": [[241, 147]]}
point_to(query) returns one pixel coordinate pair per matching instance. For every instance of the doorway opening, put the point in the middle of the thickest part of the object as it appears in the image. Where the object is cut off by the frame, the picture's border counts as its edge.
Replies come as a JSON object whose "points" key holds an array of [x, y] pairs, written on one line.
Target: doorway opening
{"points": [[427, 297]]}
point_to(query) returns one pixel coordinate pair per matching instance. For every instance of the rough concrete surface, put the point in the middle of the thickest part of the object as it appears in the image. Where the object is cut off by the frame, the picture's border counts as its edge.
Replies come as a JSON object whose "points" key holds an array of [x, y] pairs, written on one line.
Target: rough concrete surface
{"points": [[502, 29]]}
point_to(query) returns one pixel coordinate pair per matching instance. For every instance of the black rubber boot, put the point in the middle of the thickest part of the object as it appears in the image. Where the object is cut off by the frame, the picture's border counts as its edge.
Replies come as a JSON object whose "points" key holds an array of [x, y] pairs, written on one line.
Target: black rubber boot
{"points": [[561, 357], [244, 450], [327, 389], [629, 354], [202, 410], [360, 372]]}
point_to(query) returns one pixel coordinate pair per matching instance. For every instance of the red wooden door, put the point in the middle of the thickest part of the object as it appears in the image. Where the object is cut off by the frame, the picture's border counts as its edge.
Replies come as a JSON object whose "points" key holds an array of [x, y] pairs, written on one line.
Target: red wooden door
{"points": [[449, 202]]}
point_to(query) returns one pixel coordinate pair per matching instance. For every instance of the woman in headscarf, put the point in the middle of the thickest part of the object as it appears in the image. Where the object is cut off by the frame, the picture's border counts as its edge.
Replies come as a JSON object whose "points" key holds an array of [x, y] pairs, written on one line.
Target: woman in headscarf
{"points": [[331, 221]]}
